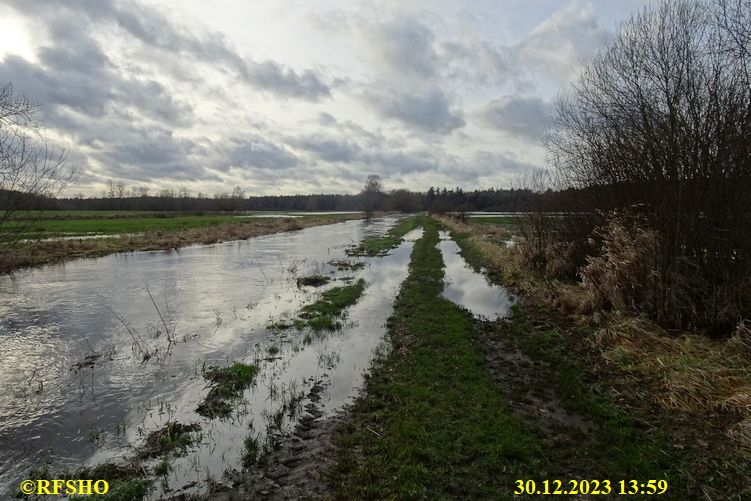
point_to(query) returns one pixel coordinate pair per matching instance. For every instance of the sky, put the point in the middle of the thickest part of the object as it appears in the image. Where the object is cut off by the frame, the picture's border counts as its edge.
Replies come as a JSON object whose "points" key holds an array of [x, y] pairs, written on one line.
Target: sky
{"points": [[298, 96]]}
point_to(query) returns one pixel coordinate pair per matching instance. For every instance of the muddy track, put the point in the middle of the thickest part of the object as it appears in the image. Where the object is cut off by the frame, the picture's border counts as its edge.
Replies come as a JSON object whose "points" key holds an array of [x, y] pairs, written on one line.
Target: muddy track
{"points": [[527, 384], [296, 470]]}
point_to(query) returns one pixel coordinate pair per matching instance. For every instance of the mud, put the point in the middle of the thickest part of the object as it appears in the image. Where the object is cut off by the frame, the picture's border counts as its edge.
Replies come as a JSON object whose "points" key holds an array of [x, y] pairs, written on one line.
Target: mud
{"points": [[526, 385], [297, 469]]}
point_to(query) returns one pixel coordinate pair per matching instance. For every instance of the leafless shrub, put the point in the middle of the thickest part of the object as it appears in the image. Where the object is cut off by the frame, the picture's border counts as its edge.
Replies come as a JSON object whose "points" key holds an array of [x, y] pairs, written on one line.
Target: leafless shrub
{"points": [[657, 125], [31, 170]]}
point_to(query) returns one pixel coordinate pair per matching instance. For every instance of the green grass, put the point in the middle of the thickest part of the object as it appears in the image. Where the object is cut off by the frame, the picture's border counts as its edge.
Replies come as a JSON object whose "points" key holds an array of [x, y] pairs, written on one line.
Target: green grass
{"points": [[163, 467], [432, 423], [52, 214], [251, 452], [109, 223], [324, 313], [133, 489], [47, 228], [378, 246], [624, 446], [228, 385]]}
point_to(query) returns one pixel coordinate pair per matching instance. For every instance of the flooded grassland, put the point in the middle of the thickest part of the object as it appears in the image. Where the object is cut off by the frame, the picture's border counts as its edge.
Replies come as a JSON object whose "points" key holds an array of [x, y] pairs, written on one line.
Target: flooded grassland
{"points": [[189, 363]]}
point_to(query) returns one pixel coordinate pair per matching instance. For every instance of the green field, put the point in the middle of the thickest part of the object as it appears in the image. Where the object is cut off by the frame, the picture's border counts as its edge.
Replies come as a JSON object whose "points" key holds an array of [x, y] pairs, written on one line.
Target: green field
{"points": [[87, 223], [47, 228]]}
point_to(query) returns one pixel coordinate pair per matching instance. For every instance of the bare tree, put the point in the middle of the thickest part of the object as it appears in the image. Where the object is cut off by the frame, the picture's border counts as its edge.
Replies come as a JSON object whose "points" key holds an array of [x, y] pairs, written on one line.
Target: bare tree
{"points": [[658, 124], [30, 169], [372, 194]]}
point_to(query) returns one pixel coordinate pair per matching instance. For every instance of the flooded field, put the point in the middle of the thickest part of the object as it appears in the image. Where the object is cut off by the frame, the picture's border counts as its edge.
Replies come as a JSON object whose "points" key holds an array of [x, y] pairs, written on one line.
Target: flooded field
{"points": [[100, 353]]}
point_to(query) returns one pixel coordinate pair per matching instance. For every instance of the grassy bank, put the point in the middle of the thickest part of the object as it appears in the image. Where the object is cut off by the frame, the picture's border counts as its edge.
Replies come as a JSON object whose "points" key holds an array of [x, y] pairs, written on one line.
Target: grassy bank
{"points": [[108, 225], [196, 231], [431, 422], [377, 246], [689, 391]]}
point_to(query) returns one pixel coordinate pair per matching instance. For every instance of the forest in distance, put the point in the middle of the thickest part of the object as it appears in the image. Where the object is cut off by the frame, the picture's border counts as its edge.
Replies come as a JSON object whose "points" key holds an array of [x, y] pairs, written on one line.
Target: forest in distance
{"points": [[434, 200]]}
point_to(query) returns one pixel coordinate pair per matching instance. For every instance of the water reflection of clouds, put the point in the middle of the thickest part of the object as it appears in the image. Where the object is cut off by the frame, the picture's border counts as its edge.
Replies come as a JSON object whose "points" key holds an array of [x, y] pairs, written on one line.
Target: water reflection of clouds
{"points": [[468, 288], [224, 295]]}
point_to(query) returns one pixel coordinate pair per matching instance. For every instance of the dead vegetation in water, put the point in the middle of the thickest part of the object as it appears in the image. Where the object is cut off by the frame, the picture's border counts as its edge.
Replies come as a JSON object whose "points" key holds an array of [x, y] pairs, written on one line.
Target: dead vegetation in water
{"points": [[347, 265], [54, 251], [313, 281], [172, 437]]}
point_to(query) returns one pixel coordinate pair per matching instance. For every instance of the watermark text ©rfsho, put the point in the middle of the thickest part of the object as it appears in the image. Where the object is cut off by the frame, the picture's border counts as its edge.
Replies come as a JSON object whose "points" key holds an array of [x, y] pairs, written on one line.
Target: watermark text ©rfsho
{"points": [[66, 487]]}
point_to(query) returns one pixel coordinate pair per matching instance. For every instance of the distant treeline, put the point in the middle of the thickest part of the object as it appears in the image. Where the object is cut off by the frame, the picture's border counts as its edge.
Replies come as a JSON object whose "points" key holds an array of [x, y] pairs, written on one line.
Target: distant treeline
{"points": [[434, 200]]}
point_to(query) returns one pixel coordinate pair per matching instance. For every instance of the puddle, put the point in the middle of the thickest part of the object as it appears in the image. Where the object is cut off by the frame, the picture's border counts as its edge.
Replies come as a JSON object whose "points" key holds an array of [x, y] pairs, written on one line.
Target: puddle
{"points": [[470, 289], [215, 302]]}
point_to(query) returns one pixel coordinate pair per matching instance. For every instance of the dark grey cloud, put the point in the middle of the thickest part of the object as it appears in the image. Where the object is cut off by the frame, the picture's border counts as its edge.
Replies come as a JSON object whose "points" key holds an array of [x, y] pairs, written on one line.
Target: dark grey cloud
{"points": [[256, 152], [94, 91], [152, 28], [524, 117], [405, 47], [283, 81], [429, 111], [381, 160], [327, 148], [148, 153]]}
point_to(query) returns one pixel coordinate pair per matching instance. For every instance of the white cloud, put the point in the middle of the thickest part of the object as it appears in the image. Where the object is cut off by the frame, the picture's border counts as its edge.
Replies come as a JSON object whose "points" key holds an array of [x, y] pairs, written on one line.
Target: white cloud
{"points": [[306, 98]]}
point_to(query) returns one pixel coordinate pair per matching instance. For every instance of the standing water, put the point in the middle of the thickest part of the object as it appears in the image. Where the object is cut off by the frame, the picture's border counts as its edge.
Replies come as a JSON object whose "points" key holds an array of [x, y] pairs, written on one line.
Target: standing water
{"points": [[470, 289], [99, 353]]}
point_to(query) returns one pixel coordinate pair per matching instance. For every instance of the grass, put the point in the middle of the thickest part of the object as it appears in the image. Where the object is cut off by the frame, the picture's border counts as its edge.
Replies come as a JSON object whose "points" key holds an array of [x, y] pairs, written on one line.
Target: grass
{"points": [[133, 489], [346, 265], [313, 281], [47, 228], [378, 246], [431, 422], [324, 313], [172, 437], [512, 221], [228, 384], [127, 483], [251, 452], [206, 230], [163, 467], [626, 444]]}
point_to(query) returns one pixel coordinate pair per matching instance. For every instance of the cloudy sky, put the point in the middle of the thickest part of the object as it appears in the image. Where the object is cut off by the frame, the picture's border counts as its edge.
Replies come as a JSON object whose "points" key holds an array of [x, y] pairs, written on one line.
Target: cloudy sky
{"points": [[299, 96]]}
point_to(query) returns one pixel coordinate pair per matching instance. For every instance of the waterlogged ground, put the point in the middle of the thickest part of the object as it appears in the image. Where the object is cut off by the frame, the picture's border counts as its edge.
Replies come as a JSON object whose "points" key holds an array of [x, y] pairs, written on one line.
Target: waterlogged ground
{"points": [[470, 289], [99, 353]]}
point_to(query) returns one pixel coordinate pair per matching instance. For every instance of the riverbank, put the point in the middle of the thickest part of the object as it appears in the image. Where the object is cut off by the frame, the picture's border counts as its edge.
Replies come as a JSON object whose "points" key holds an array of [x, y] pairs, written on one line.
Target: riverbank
{"points": [[142, 238]]}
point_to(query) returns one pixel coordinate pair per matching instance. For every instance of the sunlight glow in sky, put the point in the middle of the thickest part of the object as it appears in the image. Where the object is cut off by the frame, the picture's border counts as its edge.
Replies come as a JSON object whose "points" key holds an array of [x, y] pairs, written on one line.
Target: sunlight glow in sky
{"points": [[298, 96]]}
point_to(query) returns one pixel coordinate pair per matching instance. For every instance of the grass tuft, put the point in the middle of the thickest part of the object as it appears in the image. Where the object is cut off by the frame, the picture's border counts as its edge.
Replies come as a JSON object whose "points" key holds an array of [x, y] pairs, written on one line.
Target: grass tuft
{"points": [[228, 385], [324, 313]]}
